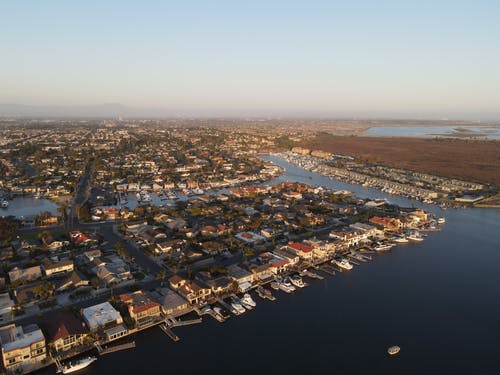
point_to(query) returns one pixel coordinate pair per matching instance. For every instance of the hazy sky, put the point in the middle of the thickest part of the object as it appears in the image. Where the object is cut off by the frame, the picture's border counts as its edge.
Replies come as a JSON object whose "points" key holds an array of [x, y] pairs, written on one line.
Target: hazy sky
{"points": [[255, 57]]}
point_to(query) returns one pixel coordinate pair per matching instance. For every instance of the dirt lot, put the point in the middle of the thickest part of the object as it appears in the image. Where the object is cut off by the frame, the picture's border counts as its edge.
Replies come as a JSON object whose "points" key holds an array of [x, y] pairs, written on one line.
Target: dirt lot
{"points": [[471, 160]]}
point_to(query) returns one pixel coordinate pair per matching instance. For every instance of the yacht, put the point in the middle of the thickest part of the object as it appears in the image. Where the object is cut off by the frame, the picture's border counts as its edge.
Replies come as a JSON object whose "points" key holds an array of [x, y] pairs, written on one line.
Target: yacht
{"points": [[441, 220], [382, 247], [415, 237], [138, 196], [248, 302], [4, 204], [286, 286], [343, 263], [221, 312], [275, 285], [236, 308], [400, 239], [198, 191], [297, 281], [77, 365]]}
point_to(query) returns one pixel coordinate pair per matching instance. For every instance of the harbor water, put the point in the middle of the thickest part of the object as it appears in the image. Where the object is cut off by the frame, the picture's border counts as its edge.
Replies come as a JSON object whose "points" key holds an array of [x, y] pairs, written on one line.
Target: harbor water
{"points": [[437, 300]]}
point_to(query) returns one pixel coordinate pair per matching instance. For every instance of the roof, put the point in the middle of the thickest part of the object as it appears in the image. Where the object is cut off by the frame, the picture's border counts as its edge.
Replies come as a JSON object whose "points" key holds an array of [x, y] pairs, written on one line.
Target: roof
{"points": [[14, 337], [63, 324], [139, 301], [101, 314], [300, 247]]}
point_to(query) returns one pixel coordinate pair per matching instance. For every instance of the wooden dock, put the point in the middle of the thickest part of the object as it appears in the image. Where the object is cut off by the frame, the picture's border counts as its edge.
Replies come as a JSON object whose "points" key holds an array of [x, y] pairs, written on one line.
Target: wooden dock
{"points": [[117, 348], [329, 269], [165, 328]]}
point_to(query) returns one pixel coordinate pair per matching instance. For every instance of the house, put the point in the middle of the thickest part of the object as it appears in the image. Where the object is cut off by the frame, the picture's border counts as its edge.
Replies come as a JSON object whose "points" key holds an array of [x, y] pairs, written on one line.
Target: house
{"points": [[22, 347], [387, 223], [165, 247], [305, 252], [250, 237], [141, 308], [262, 272], [51, 268], [64, 331], [242, 276], [172, 304], [287, 254], [26, 274], [101, 316], [74, 280], [193, 291], [6, 304]]}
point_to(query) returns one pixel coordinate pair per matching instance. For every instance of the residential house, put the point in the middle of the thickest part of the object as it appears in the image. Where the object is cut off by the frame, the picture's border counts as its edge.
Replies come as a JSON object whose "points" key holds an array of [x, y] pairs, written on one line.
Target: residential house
{"points": [[22, 347], [141, 308], [26, 274], [65, 331]]}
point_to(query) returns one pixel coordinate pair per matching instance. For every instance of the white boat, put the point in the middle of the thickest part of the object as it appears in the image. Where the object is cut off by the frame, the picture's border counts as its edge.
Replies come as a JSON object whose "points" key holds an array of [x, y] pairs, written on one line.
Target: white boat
{"points": [[401, 239], [275, 285], [297, 281], [286, 286], [441, 220], [343, 263], [4, 204], [393, 350], [221, 312], [415, 237], [138, 196], [236, 308], [382, 247], [77, 365], [247, 301], [198, 191]]}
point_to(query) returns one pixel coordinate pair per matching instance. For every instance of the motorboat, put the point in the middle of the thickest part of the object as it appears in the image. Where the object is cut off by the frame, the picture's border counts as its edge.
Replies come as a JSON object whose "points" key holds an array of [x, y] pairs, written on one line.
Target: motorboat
{"points": [[382, 247], [78, 365], [297, 281], [247, 301], [221, 312], [286, 286], [275, 285], [343, 263], [236, 308], [4, 204], [400, 239], [415, 237], [441, 220], [393, 350]]}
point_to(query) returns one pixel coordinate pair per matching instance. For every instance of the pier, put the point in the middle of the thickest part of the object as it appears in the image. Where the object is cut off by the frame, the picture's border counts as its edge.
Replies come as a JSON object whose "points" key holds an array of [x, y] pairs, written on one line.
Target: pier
{"points": [[165, 328], [117, 348]]}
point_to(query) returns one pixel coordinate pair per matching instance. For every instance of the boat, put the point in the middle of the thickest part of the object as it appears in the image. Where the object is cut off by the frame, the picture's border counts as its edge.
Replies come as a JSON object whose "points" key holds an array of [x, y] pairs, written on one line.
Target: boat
{"points": [[237, 309], [382, 247], [221, 312], [77, 365], [441, 220], [247, 301], [198, 191], [415, 237], [4, 204], [393, 350], [297, 281], [401, 239], [275, 285], [343, 263], [138, 196], [286, 286]]}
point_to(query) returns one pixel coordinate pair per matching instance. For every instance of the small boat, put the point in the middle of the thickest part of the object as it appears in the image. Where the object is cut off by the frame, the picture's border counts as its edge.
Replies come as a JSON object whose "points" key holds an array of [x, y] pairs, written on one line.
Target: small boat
{"points": [[441, 220], [343, 263], [275, 285], [382, 247], [415, 237], [248, 302], [77, 365], [286, 286], [401, 239], [221, 312], [4, 204], [393, 350], [297, 281], [236, 308]]}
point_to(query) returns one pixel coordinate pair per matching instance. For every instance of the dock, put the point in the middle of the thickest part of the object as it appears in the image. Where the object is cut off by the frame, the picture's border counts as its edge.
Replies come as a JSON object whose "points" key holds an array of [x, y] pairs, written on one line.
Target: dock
{"points": [[171, 322], [117, 348], [211, 313], [313, 275], [227, 306], [329, 269], [165, 328]]}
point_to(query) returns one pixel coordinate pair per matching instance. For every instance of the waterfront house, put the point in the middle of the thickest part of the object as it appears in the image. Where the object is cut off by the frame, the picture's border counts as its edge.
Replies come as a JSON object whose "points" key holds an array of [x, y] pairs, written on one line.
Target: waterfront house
{"points": [[387, 223], [261, 273], [142, 309], [305, 252], [101, 316], [26, 274], [172, 304], [193, 291], [242, 276], [64, 331], [23, 348]]}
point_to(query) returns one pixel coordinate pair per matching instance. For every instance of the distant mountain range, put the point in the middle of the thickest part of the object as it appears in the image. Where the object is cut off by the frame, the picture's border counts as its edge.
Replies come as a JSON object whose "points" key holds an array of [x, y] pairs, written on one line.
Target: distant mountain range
{"points": [[114, 110]]}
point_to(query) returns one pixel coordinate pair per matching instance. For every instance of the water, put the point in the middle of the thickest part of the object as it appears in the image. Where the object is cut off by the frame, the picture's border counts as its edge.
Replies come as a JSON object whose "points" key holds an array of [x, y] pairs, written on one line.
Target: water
{"points": [[431, 131], [437, 300], [27, 206]]}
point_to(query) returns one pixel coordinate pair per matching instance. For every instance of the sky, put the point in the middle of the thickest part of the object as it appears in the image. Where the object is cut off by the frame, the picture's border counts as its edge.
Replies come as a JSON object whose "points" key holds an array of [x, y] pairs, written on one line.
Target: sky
{"points": [[258, 57]]}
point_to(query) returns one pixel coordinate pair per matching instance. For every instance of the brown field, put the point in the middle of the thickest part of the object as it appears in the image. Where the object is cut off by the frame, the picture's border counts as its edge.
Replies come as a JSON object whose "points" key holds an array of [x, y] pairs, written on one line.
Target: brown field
{"points": [[465, 159]]}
